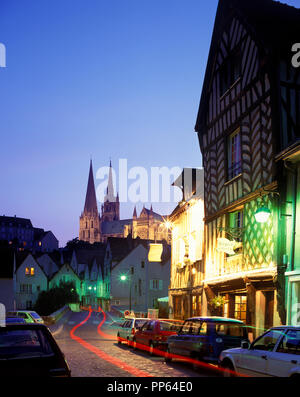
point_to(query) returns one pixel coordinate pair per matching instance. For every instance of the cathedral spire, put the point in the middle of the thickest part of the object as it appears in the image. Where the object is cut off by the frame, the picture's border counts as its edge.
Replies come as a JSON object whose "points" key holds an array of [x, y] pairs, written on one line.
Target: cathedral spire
{"points": [[110, 187], [90, 205]]}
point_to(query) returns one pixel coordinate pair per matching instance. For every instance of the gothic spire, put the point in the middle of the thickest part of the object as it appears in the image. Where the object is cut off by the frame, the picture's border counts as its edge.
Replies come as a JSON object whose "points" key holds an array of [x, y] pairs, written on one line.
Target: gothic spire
{"points": [[110, 187], [90, 199]]}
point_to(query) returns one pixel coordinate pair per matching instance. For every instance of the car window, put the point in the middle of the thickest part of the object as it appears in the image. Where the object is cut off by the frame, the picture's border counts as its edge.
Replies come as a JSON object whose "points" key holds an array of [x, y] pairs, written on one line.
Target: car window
{"points": [[170, 325], [151, 326], [144, 327], [267, 341], [35, 315], [23, 315], [203, 329], [230, 329], [140, 323], [186, 327], [195, 327], [23, 343], [290, 344]]}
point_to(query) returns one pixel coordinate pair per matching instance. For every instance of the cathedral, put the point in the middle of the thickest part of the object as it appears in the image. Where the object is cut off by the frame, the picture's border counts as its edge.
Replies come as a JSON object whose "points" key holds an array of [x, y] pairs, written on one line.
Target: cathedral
{"points": [[95, 227]]}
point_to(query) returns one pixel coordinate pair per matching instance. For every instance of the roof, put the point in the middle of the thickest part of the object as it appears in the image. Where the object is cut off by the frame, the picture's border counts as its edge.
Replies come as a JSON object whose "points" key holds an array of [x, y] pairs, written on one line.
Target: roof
{"points": [[219, 319], [87, 256], [90, 205], [273, 24], [115, 227], [6, 220]]}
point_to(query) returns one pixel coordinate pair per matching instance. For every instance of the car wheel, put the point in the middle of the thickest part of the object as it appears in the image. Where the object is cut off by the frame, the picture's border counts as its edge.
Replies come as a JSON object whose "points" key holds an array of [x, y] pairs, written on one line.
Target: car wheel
{"points": [[151, 348], [168, 358], [228, 370]]}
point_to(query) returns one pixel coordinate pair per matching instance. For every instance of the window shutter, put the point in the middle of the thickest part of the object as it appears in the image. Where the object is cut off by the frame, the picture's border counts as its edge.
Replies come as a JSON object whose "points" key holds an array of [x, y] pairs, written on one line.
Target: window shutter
{"points": [[160, 285], [151, 284]]}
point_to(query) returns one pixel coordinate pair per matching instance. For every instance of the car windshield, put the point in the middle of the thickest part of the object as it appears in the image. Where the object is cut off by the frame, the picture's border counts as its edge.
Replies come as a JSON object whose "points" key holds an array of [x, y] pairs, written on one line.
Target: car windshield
{"points": [[35, 315], [231, 329], [15, 343], [170, 326]]}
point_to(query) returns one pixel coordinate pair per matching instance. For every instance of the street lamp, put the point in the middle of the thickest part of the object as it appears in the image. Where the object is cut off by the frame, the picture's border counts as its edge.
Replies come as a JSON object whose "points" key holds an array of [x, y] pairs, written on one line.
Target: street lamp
{"points": [[262, 215]]}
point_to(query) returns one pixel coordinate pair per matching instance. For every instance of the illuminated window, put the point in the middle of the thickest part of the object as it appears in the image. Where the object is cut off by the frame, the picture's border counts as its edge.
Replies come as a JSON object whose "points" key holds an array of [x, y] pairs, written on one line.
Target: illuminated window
{"points": [[27, 271], [40, 243], [240, 307]]}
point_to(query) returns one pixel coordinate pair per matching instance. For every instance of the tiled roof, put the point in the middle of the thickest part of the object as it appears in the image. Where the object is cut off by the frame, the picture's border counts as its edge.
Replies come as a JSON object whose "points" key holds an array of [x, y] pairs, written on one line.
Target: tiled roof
{"points": [[15, 221]]}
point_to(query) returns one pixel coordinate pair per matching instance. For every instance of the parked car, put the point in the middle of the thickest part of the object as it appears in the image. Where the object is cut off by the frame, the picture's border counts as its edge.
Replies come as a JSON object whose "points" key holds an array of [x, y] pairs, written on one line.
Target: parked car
{"points": [[155, 333], [30, 350], [128, 329], [274, 353], [29, 316], [204, 338], [14, 320]]}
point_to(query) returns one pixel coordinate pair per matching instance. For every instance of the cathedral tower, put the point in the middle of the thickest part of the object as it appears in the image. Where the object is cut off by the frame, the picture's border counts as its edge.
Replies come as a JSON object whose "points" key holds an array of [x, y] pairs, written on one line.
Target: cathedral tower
{"points": [[89, 229], [111, 206]]}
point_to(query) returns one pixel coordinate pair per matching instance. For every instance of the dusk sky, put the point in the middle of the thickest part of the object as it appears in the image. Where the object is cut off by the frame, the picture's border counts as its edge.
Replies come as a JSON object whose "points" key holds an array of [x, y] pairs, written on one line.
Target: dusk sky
{"points": [[117, 79]]}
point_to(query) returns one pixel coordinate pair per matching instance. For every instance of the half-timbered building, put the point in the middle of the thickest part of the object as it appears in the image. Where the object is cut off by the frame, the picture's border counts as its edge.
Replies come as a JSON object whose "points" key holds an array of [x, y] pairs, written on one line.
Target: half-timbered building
{"points": [[239, 135]]}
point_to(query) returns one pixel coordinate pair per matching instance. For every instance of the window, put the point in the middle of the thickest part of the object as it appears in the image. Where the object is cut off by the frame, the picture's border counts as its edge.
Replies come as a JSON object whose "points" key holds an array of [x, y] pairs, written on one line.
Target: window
{"points": [[240, 307], [143, 264], [229, 72], [27, 271], [25, 288], [229, 329], [186, 327], [236, 222], [195, 327], [32, 271], [154, 284], [203, 329], [290, 343], [234, 155], [140, 287], [267, 341], [151, 326], [132, 270]]}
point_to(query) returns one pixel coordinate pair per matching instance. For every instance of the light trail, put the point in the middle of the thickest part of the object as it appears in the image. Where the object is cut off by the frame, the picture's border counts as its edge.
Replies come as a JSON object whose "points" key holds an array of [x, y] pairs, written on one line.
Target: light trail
{"points": [[104, 356]]}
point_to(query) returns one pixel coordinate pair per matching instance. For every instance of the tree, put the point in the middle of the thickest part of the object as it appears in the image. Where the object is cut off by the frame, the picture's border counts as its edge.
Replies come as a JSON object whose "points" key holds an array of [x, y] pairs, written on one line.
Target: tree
{"points": [[50, 301]]}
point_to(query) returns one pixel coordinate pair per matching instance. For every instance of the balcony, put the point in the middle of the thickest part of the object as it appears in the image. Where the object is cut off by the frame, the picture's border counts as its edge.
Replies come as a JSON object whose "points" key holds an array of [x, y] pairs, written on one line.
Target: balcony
{"points": [[233, 264]]}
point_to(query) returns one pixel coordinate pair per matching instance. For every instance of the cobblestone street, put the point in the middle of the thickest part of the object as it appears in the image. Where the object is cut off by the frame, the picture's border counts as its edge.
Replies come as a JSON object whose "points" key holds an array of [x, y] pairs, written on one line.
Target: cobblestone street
{"points": [[110, 359]]}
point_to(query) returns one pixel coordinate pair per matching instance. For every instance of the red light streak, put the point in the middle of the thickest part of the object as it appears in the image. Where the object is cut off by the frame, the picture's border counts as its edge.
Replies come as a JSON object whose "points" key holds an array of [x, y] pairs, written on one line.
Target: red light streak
{"points": [[104, 356], [139, 346]]}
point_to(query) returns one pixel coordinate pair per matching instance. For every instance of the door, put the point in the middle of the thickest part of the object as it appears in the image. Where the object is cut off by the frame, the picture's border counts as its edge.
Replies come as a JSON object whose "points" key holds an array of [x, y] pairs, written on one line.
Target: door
{"points": [[254, 361], [287, 355]]}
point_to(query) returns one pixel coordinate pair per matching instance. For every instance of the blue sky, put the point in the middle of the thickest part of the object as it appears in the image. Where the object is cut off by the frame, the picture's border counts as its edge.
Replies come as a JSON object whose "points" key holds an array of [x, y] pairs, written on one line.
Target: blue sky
{"points": [[108, 79]]}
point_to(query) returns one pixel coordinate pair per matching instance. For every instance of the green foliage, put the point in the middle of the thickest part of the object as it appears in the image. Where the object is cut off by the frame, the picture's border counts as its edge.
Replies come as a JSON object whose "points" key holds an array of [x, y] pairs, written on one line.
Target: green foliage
{"points": [[55, 298]]}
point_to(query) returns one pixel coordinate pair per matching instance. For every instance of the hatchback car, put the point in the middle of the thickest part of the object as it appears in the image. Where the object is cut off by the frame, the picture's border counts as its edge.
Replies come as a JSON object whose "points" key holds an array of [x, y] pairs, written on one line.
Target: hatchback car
{"points": [[204, 338], [29, 316], [30, 350], [128, 329], [274, 353], [154, 334]]}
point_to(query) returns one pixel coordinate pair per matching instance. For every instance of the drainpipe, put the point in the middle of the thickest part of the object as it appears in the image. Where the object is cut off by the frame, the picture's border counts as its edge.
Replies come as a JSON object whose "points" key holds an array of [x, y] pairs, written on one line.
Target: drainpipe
{"points": [[293, 171]]}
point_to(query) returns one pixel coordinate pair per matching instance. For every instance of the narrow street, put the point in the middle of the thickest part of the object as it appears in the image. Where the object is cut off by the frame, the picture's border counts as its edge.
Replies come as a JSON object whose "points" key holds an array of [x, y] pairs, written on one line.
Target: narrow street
{"points": [[97, 354]]}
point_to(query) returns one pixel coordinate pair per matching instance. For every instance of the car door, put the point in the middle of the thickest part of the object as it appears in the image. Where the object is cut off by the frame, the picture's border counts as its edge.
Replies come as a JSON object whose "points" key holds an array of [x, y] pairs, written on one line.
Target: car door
{"points": [[286, 357], [254, 361], [124, 331], [179, 344]]}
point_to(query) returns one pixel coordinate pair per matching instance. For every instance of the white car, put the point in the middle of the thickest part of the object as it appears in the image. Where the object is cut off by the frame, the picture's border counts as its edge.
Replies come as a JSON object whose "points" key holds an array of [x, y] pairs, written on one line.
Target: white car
{"points": [[129, 327], [275, 353]]}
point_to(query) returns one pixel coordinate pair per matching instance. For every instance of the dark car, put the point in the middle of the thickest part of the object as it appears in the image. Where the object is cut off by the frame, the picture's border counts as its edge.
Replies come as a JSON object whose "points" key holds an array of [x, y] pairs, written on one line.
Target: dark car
{"points": [[30, 350], [204, 338], [154, 334]]}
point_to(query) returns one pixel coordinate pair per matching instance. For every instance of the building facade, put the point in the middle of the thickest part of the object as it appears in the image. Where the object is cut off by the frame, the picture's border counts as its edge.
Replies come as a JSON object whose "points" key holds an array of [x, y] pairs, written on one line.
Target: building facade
{"points": [[237, 126], [187, 226]]}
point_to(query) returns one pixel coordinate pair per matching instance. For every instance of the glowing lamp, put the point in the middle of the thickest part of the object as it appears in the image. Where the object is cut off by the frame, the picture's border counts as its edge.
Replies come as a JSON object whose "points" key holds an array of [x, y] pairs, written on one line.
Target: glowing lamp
{"points": [[262, 215], [155, 252], [123, 277]]}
